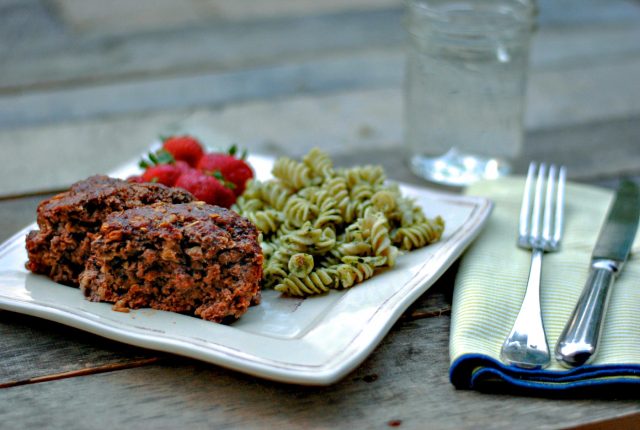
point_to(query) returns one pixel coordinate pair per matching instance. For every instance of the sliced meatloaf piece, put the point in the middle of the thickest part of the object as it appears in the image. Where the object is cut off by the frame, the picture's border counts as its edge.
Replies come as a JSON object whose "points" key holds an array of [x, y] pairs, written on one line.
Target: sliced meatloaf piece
{"points": [[68, 221], [191, 258]]}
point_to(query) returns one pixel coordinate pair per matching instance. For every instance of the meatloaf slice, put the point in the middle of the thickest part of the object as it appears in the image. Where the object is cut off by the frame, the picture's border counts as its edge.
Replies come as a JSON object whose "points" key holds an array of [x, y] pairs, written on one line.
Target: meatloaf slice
{"points": [[191, 258], [68, 221]]}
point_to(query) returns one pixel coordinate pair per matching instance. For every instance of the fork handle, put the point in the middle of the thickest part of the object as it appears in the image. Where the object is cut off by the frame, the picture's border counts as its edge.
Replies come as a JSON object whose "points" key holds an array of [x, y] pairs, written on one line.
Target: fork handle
{"points": [[526, 346], [578, 342]]}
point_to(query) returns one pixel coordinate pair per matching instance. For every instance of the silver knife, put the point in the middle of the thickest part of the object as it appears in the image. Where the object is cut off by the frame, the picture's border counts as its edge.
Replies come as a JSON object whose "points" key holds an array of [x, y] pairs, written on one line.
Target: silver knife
{"points": [[578, 342]]}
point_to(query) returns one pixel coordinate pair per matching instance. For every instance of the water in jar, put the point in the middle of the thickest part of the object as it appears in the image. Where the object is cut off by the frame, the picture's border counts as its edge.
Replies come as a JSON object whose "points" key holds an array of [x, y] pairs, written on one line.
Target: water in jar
{"points": [[466, 78]]}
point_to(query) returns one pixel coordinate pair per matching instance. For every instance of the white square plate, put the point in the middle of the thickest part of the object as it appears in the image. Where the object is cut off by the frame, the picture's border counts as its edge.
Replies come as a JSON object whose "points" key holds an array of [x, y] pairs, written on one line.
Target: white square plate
{"points": [[315, 341]]}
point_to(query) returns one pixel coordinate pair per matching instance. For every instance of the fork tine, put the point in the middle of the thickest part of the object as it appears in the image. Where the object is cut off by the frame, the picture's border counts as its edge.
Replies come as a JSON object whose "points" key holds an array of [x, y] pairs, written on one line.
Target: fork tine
{"points": [[559, 216], [537, 204], [524, 226], [550, 199]]}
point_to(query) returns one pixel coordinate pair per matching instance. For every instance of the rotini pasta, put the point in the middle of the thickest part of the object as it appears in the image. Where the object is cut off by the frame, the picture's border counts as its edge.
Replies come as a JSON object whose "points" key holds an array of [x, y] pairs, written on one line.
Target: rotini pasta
{"points": [[319, 163], [317, 282], [267, 221], [324, 228], [419, 234], [274, 194], [301, 264], [292, 174]]}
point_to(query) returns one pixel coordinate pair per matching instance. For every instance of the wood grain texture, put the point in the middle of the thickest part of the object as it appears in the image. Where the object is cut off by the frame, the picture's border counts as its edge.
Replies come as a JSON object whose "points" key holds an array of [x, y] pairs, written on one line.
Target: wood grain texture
{"points": [[168, 69], [120, 16], [630, 421], [35, 350], [566, 88], [405, 380], [17, 214], [356, 125], [49, 56], [592, 151], [191, 50], [344, 96]]}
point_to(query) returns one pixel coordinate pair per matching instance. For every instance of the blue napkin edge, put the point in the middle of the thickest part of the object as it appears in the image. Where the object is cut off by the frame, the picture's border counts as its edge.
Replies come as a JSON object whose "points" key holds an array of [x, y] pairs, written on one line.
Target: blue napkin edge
{"points": [[478, 371]]}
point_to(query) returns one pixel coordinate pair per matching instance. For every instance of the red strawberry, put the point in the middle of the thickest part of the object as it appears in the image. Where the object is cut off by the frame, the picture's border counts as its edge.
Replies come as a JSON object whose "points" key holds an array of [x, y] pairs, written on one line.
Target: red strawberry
{"points": [[136, 179], [232, 169], [166, 174], [182, 166], [206, 188], [184, 148]]}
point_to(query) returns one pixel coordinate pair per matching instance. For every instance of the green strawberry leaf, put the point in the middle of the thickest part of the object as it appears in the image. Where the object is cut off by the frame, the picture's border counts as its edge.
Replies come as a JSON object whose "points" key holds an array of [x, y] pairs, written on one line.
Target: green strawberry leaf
{"points": [[153, 158], [233, 151], [218, 175], [156, 158], [165, 157]]}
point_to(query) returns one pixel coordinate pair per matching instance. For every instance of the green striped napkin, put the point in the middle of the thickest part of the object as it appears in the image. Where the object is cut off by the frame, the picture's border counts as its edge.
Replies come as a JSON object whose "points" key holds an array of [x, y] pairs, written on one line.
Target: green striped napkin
{"points": [[491, 283]]}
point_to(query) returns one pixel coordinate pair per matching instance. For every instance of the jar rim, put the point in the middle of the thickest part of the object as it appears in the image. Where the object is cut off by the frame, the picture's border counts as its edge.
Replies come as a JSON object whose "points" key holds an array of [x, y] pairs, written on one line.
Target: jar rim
{"points": [[440, 16]]}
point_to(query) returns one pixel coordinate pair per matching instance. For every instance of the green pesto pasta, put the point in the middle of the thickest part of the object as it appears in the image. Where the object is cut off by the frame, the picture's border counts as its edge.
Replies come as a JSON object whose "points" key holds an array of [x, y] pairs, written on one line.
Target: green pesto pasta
{"points": [[324, 228], [301, 264]]}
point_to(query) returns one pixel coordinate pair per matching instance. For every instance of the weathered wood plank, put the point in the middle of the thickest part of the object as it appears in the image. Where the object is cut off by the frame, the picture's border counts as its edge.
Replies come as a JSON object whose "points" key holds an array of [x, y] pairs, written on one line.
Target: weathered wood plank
{"points": [[51, 56], [404, 383], [583, 94], [561, 46], [124, 17], [592, 151], [151, 94], [581, 12], [17, 214], [626, 422], [562, 93], [360, 126], [35, 350], [28, 24], [215, 46]]}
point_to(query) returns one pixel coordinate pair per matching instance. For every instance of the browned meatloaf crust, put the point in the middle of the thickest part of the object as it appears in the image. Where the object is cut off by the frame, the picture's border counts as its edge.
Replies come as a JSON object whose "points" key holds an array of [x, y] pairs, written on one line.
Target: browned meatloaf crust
{"points": [[68, 220], [191, 258]]}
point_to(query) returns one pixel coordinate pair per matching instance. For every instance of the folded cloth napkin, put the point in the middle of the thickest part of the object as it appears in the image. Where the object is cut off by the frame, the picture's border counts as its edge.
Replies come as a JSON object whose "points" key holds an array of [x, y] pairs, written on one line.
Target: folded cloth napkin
{"points": [[491, 283]]}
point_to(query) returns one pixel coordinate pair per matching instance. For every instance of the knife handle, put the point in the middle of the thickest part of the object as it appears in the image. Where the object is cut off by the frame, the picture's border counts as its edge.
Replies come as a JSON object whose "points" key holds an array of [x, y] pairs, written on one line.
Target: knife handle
{"points": [[579, 340]]}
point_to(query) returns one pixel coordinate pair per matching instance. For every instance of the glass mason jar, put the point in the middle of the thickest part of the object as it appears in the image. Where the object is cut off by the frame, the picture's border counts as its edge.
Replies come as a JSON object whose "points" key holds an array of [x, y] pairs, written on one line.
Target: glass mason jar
{"points": [[465, 87]]}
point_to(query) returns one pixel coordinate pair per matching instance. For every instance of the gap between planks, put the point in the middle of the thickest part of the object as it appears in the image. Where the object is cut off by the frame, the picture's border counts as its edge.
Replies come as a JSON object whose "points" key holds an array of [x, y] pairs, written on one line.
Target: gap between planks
{"points": [[630, 421], [431, 313], [82, 372], [36, 193]]}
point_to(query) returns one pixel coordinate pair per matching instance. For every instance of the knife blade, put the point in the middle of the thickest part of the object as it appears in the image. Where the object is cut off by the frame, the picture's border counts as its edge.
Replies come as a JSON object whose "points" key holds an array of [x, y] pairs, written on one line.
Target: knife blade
{"points": [[577, 345]]}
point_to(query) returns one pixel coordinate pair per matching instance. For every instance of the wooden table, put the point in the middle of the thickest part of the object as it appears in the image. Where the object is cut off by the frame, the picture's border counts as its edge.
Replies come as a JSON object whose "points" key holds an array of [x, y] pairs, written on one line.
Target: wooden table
{"points": [[86, 86]]}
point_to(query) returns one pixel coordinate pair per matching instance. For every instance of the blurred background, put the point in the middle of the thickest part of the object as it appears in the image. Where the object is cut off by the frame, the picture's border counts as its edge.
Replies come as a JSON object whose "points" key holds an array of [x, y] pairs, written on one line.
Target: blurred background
{"points": [[88, 84]]}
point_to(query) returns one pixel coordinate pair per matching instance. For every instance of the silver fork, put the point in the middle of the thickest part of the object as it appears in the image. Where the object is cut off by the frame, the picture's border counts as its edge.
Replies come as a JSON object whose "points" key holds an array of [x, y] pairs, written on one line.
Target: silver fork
{"points": [[540, 229]]}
